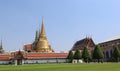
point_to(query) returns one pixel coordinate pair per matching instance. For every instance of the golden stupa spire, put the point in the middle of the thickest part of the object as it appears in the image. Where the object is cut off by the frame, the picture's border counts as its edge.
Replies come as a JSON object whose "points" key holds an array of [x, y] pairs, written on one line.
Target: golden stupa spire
{"points": [[42, 28], [42, 44]]}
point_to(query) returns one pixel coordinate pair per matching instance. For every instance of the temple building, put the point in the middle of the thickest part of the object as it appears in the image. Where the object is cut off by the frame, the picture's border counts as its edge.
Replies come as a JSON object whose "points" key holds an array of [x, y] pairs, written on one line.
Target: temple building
{"points": [[4, 57], [108, 46], [86, 42], [39, 51], [22, 57], [40, 44]]}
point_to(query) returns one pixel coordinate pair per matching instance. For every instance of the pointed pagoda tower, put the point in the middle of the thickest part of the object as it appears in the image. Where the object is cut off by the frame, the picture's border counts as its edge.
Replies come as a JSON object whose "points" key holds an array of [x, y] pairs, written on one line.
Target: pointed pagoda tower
{"points": [[34, 44], [1, 48], [41, 43], [1, 45]]}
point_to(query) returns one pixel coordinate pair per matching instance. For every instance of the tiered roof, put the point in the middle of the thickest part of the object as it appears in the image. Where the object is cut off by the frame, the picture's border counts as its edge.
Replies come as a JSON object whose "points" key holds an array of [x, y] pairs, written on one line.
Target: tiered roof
{"points": [[46, 55], [4, 57], [35, 56], [86, 42], [27, 47]]}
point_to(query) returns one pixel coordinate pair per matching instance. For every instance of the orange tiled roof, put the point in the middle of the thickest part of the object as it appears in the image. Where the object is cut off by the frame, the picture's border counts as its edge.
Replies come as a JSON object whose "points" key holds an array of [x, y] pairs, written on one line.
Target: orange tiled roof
{"points": [[46, 55], [4, 57], [27, 47], [15, 53], [40, 55]]}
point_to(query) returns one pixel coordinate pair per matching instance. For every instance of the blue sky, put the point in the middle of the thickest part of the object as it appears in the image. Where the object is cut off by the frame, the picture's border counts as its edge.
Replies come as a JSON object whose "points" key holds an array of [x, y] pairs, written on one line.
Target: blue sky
{"points": [[66, 21]]}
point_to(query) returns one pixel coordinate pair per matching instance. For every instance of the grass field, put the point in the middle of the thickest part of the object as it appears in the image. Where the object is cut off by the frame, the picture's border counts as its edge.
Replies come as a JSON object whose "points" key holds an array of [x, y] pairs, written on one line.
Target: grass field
{"points": [[62, 67]]}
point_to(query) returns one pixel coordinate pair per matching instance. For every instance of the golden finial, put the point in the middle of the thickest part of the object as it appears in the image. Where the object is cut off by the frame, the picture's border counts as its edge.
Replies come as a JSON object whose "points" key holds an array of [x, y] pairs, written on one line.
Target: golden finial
{"points": [[42, 28]]}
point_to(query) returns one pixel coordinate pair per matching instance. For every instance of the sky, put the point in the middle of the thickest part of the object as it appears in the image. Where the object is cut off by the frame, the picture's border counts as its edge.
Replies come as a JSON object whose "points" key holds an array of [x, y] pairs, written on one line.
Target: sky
{"points": [[66, 21]]}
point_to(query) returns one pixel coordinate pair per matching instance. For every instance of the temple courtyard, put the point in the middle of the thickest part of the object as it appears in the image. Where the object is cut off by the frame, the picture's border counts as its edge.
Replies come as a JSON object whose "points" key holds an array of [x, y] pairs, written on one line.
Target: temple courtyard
{"points": [[63, 67]]}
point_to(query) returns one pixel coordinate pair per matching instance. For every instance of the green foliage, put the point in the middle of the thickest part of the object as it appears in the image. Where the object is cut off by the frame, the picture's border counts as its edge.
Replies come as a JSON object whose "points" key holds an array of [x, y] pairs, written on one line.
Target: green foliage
{"points": [[77, 54], [116, 53], [86, 54], [70, 55], [98, 53]]}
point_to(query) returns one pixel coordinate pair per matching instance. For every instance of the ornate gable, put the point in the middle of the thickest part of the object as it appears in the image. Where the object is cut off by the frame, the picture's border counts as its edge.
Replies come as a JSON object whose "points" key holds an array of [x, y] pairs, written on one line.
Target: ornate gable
{"points": [[86, 42]]}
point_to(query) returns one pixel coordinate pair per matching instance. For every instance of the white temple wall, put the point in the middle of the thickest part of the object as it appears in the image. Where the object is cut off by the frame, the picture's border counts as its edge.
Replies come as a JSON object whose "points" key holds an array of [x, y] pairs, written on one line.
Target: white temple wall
{"points": [[23, 61], [4, 62], [15, 62], [62, 60], [36, 61], [46, 61]]}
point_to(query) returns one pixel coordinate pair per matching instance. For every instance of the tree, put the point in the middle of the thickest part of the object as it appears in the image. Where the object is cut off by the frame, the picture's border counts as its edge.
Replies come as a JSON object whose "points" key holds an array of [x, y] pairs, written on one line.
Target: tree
{"points": [[98, 53], [86, 55], [116, 53], [77, 55], [70, 55]]}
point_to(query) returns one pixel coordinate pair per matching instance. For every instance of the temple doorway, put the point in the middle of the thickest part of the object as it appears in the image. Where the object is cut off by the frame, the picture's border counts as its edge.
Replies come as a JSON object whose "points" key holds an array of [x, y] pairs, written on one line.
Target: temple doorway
{"points": [[19, 59]]}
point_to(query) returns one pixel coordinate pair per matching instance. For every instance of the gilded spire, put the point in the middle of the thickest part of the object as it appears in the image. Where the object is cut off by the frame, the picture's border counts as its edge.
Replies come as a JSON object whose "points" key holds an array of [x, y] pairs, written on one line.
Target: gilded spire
{"points": [[42, 44], [37, 35], [42, 28]]}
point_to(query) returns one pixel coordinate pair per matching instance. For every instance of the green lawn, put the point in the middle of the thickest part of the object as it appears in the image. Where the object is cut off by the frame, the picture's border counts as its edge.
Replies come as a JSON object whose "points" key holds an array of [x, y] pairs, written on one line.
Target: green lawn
{"points": [[63, 67]]}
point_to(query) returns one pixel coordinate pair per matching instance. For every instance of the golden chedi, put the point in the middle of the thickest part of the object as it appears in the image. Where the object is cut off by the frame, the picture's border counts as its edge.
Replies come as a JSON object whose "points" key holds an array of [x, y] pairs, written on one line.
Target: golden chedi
{"points": [[41, 43]]}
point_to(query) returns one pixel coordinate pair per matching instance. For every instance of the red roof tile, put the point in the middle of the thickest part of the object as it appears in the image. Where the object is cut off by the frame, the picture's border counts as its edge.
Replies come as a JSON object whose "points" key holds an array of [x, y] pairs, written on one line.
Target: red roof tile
{"points": [[46, 55], [4, 57], [34, 55], [27, 47], [12, 56]]}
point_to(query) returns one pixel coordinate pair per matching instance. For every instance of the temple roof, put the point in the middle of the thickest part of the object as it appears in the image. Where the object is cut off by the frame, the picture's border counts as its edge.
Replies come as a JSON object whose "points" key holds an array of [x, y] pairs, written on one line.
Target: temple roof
{"points": [[46, 55], [31, 56], [86, 42], [4, 56], [27, 47], [14, 54], [19, 55], [112, 38]]}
